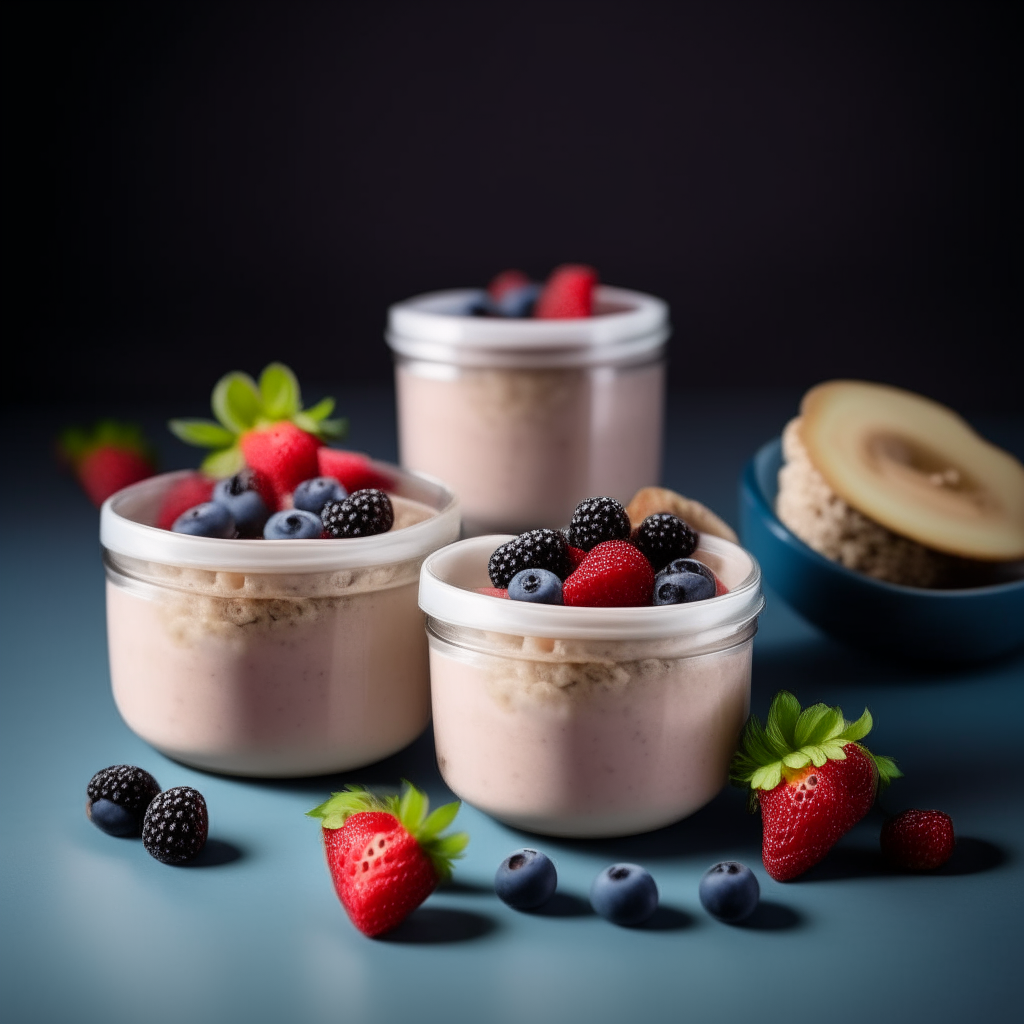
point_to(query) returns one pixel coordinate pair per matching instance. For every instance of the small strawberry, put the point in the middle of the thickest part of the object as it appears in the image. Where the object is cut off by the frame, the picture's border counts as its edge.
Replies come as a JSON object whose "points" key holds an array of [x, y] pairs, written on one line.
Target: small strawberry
{"points": [[106, 458], [576, 556], [918, 840], [501, 592], [282, 455], [569, 293], [613, 575], [352, 470], [811, 777], [186, 493], [385, 854]]}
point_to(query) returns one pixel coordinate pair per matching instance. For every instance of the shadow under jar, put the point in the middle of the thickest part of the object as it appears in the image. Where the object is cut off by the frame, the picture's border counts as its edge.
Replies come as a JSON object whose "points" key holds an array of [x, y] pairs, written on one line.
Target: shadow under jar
{"points": [[587, 722], [271, 658], [525, 418]]}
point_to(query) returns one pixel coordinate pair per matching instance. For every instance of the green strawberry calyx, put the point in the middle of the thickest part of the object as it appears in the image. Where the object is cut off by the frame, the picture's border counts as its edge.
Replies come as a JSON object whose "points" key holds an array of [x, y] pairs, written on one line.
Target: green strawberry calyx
{"points": [[242, 404], [410, 808], [75, 444], [791, 739]]}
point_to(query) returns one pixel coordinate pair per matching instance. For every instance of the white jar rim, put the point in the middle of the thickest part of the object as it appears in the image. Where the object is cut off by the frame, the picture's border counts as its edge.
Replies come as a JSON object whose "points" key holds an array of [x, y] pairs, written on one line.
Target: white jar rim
{"points": [[446, 574], [127, 528], [627, 326]]}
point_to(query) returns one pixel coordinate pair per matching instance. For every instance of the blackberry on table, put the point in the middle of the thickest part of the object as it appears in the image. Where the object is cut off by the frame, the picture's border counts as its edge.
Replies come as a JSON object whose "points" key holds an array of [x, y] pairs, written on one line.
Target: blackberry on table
{"points": [[176, 825], [363, 513], [118, 797], [663, 537], [597, 520], [535, 549]]}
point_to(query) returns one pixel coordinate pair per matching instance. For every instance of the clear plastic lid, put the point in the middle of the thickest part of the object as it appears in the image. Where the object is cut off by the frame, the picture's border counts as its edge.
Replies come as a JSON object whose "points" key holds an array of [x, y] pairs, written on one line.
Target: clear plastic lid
{"points": [[127, 528], [627, 326], [448, 579]]}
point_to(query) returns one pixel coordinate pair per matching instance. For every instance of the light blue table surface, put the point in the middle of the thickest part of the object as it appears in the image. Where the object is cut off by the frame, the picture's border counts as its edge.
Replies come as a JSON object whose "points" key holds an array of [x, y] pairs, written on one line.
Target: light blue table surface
{"points": [[95, 930]]}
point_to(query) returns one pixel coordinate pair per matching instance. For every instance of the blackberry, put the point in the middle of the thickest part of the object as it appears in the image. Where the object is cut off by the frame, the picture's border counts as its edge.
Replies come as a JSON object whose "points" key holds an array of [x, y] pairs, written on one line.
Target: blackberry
{"points": [[663, 538], [597, 520], [176, 825], [362, 514], [535, 549], [118, 797]]}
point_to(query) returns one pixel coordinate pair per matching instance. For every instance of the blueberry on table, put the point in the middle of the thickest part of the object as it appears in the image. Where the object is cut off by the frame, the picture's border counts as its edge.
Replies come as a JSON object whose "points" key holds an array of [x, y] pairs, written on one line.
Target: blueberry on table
{"points": [[729, 891], [624, 894], [238, 494], [176, 825], [682, 588], [118, 797], [312, 495], [293, 524], [538, 585], [206, 520], [663, 537], [525, 879]]}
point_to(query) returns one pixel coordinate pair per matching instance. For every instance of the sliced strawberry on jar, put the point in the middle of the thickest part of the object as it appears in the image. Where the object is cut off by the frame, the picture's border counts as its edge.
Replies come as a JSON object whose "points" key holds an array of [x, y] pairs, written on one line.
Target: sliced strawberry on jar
{"points": [[811, 778], [386, 855], [568, 293], [353, 470], [614, 574]]}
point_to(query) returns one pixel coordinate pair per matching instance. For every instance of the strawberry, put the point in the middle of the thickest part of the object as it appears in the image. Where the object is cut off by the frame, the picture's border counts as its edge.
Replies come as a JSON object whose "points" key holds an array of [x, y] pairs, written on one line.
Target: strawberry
{"points": [[614, 574], [187, 492], [283, 455], [919, 840], [576, 555], [493, 592], [720, 588], [110, 456], [811, 777], [569, 292], [506, 281], [352, 470], [385, 854]]}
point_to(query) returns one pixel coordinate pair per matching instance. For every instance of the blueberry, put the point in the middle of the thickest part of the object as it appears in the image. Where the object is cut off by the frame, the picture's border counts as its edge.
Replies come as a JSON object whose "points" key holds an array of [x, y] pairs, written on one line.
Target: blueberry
{"points": [[525, 879], [689, 565], [729, 891], [238, 494], [537, 585], [112, 818], [293, 524], [682, 588], [515, 302], [206, 520], [312, 495], [624, 894]]}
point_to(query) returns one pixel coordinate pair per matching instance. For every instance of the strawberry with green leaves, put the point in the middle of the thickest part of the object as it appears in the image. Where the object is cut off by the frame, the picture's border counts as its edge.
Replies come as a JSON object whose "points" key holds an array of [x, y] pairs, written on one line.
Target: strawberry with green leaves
{"points": [[386, 854], [811, 777], [106, 458]]}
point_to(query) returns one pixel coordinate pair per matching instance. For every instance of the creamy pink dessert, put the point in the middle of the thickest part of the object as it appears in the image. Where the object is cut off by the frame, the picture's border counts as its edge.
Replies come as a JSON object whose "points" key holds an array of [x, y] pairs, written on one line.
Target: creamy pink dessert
{"points": [[271, 658], [587, 721], [526, 417]]}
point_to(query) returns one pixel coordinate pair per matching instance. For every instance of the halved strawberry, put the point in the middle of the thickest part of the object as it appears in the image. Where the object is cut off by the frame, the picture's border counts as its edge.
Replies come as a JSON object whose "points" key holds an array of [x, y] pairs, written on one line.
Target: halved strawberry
{"points": [[613, 575], [386, 854], [106, 458], [569, 293], [185, 494], [352, 470], [283, 455]]}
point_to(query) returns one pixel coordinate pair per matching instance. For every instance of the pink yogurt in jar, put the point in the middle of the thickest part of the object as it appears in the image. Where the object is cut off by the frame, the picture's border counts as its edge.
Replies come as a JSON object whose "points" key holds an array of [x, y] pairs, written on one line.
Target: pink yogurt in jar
{"points": [[587, 721], [527, 417], [271, 658]]}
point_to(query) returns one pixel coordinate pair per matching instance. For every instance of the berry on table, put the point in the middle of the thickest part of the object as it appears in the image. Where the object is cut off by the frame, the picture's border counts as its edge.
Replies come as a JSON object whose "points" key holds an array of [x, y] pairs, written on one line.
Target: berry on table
{"points": [[176, 825], [624, 894], [729, 891], [537, 585], [293, 524], [525, 879], [118, 797], [363, 514], [240, 495], [918, 840], [682, 588], [206, 520], [663, 537], [596, 520], [107, 458], [535, 549], [613, 575], [312, 495]]}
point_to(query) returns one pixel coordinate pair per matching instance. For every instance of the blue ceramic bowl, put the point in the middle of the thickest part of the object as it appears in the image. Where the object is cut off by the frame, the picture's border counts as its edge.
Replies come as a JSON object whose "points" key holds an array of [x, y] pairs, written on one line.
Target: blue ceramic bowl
{"points": [[971, 624]]}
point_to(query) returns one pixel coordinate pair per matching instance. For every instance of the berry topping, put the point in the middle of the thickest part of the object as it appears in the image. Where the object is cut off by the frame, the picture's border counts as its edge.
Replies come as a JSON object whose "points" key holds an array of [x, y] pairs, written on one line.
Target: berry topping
{"points": [[682, 588], [729, 891], [283, 455], [597, 520], [576, 556], [613, 575], [535, 549], [538, 585], [312, 495], [511, 294], [363, 514], [568, 293], [663, 537], [689, 565], [118, 797], [206, 520], [110, 456], [493, 592], [386, 855], [353, 471], [176, 825], [240, 495], [293, 524], [918, 840], [525, 879], [182, 495], [624, 894]]}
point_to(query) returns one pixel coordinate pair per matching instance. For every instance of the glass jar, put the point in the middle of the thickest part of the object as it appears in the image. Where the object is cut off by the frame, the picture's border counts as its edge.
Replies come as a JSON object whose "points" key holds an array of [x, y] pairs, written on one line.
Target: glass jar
{"points": [[525, 418], [271, 658], [587, 721]]}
